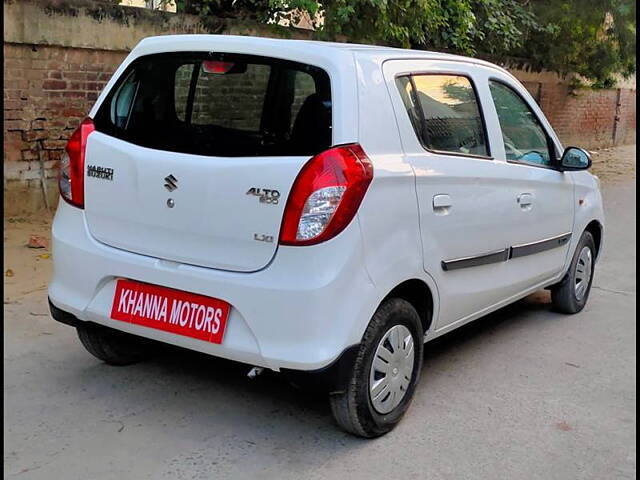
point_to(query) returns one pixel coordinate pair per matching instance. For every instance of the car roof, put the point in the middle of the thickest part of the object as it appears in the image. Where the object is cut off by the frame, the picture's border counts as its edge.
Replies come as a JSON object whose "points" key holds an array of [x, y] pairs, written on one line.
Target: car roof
{"points": [[165, 43]]}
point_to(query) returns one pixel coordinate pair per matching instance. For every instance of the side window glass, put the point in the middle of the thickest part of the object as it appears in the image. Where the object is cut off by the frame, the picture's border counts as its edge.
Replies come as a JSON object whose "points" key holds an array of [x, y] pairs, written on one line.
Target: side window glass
{"points": [[181, 93], [303, 87], [445, 113], [524, 138], [406, 92], [122, 102]]}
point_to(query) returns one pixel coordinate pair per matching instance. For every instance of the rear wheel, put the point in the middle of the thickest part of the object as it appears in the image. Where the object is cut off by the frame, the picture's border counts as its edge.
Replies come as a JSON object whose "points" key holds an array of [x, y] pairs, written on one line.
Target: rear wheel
{"points": [[572, 293], [112, 346], [385, 373]]}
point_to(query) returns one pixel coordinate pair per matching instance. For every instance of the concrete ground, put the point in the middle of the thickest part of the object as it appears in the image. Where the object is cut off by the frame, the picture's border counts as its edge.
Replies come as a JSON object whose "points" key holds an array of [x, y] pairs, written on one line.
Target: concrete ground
{"points": [[520, 394]]}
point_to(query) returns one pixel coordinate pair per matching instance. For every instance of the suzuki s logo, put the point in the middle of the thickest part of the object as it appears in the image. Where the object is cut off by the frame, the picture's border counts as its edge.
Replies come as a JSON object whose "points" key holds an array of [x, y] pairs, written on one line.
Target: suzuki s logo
{"points": [[171, 183]]}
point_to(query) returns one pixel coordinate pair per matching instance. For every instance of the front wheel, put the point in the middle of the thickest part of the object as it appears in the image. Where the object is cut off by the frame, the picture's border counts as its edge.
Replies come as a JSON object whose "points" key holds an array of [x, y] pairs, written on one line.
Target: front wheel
{"points": [[571, 294], [385, 373]]}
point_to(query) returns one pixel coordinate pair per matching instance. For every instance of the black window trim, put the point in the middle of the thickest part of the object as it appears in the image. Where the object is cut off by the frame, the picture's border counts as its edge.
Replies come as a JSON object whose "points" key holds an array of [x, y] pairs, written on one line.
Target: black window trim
{"points": [[489, 155], [191, 95], [133, 98], [555, 159]]}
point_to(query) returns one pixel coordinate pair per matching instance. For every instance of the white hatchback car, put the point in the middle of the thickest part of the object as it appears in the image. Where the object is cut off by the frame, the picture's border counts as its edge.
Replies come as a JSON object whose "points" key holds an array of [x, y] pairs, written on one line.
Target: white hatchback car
{"points": [[314, 208]]}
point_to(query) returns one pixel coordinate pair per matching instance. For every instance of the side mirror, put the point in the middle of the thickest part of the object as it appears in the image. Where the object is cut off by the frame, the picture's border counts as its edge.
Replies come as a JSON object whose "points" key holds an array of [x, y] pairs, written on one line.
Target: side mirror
{"points": [[575, 158]]}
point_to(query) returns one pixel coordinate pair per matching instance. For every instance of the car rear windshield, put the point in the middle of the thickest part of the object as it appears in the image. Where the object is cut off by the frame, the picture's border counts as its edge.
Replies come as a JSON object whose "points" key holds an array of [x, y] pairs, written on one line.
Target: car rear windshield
{"points": [[220, 105]]}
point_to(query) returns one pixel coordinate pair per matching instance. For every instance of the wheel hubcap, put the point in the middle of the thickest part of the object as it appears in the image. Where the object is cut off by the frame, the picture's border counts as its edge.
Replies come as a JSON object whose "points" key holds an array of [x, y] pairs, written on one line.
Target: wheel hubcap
{"points": [[583, 272], [392, 369]]}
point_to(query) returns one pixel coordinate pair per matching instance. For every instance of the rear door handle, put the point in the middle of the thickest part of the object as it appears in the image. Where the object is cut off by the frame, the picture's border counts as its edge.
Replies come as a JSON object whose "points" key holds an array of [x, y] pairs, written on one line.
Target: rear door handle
{"points": [[442, 204], [525, 200]]}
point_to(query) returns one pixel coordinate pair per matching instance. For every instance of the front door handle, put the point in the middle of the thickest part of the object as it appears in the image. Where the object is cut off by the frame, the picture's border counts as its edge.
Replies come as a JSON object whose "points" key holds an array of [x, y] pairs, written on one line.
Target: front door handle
{"points": [[525, 200]]}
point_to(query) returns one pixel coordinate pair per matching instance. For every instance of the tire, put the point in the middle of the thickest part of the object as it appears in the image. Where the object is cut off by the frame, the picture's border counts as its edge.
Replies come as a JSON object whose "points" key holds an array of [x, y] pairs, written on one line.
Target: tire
{"points": [[112, 346], [566, 296], [353, 408]]}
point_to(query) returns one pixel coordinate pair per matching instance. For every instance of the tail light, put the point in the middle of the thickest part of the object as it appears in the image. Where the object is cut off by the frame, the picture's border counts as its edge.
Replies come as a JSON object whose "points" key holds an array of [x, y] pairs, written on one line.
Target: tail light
{"points": [[71, 176], [326, 195]]}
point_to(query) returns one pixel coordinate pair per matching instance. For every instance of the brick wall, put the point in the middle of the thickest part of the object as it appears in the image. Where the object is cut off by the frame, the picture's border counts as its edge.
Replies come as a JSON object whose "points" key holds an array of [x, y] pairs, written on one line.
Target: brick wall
{"points": [[222, 100], [47, 91], [58, 56], [625, 132], [585, 117]]}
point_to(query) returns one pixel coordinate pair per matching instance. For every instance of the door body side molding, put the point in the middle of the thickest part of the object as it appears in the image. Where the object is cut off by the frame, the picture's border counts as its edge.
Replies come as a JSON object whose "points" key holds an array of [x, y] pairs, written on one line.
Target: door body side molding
{"points": [[484, 259], [539, 246], [507, 253]]}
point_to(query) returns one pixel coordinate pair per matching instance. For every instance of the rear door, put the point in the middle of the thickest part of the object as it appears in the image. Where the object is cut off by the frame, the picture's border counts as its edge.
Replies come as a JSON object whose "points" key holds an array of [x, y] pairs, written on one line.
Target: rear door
{"points": [[204, 149], [467, 213]]}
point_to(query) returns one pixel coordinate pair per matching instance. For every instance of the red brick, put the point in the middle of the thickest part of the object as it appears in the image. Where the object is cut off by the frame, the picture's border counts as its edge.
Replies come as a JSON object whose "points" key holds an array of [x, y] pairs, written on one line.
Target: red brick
{"points": [[13, 73], [30, 155], [11, 125], [14, 140], [37, 124], [54, 155], [12, 94], [54, 85], [73, 94], [75, 75], [32, 135], [34, 75], [71, 112], [95, 67], [11, 155], [12, 84], [53, 144], [13, 104], [13, 115]]}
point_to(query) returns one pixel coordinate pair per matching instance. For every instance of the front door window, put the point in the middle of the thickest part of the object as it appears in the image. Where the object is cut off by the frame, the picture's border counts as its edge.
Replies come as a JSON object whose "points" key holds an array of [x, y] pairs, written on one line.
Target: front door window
{"points": [[524, 138]]}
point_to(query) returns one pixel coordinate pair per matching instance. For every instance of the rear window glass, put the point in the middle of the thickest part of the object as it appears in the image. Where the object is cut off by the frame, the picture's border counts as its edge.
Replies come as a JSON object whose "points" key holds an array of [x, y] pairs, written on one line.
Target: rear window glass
{"points": [[444, 112], [220, 105]]}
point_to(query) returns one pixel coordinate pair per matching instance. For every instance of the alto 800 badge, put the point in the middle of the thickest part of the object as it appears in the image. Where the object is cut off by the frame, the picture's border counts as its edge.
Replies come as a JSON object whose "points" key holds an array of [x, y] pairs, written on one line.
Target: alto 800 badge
{"points": [[265, 195]]}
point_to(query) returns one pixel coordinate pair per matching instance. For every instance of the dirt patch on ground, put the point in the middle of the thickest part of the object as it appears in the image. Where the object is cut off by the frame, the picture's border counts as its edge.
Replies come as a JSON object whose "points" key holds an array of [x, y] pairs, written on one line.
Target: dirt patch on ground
{"points": [[26, 270], [613, 165]]}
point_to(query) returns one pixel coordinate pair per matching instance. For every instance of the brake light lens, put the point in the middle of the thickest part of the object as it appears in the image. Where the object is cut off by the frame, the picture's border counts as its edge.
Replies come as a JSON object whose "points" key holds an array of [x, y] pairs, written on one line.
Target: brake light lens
{"points": [[216, 66], [326, 195], [71, 175]]}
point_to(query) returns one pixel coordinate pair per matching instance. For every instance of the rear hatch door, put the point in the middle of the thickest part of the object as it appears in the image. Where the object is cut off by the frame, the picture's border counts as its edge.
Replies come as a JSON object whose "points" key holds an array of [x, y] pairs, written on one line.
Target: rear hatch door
{"points": [[204, 149]]}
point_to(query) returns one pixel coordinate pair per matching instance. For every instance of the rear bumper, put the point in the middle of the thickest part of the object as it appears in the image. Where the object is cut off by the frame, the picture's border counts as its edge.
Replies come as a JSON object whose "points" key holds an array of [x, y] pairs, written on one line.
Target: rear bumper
{"points": [[332, 378], [300, 313], [62, 316]]}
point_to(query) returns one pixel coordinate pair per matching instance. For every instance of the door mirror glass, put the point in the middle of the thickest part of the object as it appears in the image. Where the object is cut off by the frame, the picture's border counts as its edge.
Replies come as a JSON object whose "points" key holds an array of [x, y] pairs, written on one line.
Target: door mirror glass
{"points": [[575, 158]]}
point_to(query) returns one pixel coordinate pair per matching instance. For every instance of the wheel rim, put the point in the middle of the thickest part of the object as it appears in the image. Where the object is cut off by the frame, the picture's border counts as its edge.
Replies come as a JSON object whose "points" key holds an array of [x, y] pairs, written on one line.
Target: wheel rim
{"points": [[391, 369], [584, 268]]}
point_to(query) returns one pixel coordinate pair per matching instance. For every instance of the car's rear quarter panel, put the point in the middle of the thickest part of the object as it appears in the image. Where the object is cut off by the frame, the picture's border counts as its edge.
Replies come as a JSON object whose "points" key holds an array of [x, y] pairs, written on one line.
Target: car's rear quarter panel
{"points": [[388, 215]]}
